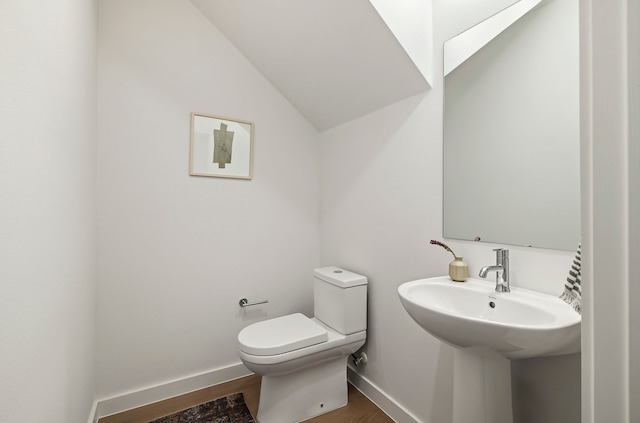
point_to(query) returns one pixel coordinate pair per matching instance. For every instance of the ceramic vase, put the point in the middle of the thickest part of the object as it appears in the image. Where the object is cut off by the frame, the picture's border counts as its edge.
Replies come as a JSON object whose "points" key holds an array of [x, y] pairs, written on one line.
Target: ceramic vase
{"points": [[458, 270]]}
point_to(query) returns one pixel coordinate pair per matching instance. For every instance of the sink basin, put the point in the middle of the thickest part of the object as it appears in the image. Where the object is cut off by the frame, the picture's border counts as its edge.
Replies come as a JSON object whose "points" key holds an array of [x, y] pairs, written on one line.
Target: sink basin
{"points": [[517, 324]]}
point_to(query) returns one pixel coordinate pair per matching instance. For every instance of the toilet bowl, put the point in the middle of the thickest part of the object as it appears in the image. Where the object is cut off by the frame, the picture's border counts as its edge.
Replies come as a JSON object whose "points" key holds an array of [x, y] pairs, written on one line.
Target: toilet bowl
{"points": [[302, 360]]}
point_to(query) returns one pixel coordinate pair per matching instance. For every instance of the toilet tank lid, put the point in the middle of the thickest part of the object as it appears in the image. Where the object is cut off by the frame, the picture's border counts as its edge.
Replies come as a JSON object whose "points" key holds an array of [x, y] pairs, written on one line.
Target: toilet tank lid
{"points": [[339, 277]]}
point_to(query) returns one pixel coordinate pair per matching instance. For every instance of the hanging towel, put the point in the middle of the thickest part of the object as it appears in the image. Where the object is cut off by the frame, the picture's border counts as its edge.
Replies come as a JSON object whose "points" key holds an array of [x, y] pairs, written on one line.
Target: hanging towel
{"points": [[572, 294]]}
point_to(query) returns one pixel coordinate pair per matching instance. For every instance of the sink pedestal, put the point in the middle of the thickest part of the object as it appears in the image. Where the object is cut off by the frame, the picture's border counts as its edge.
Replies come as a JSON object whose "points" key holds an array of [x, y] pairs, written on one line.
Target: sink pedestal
{"points": [[489, 328], [481, 386]]}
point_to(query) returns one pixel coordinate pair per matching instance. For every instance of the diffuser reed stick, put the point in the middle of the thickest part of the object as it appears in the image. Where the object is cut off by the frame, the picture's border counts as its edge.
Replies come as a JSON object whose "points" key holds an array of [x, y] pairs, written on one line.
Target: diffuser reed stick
{"points": [[443, 245]]}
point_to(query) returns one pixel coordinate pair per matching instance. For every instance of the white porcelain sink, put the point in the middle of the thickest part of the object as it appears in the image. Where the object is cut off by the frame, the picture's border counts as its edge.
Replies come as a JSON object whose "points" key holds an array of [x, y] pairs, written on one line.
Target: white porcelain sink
{"points": [[518, 324]]}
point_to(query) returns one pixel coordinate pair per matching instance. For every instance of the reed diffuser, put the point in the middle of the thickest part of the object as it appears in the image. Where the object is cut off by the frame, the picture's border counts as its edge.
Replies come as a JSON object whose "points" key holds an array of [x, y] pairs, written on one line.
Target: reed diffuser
{"points": [[458, 269]]}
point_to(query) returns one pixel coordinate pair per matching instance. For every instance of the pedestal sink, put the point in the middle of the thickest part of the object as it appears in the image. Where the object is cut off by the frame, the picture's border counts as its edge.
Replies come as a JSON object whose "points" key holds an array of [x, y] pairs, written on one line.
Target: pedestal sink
{"points": [[488, 329], [517, 324]]}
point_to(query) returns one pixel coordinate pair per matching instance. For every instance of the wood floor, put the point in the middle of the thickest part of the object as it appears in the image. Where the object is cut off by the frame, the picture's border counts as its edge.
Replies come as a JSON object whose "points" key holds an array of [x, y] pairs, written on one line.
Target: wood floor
{"points": [[359, 409]]}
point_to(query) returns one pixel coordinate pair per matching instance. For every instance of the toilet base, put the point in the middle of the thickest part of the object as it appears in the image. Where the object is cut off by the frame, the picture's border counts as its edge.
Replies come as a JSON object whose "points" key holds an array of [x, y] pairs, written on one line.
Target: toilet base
{"points": [[303, 394]]}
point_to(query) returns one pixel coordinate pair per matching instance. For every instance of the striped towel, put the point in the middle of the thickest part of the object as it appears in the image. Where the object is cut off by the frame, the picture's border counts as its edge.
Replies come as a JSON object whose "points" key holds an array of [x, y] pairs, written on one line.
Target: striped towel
{"points": [[572, 294]]}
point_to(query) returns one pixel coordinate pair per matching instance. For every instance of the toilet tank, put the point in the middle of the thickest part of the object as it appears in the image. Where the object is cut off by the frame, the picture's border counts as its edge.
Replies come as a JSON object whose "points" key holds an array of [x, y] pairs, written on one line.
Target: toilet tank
{"points": [[340, 299]]}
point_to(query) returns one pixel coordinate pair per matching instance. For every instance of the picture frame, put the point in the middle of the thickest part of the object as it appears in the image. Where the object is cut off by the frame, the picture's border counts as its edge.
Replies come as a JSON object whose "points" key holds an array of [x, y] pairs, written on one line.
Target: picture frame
{"points": [[221, 147]]}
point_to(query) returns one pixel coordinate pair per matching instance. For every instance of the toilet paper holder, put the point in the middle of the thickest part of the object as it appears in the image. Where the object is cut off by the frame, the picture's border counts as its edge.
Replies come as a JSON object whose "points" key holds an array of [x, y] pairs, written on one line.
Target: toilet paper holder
{"points": [[245, 303]]}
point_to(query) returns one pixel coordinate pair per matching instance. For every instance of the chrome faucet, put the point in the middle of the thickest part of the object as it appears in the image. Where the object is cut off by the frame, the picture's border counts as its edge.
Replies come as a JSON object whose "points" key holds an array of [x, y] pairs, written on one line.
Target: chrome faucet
{"points": [[501, 268]]}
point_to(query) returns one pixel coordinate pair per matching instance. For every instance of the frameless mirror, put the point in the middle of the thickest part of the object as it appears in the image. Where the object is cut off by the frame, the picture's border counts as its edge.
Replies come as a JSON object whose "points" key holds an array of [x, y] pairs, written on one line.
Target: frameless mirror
{"points": [[511, 129]]}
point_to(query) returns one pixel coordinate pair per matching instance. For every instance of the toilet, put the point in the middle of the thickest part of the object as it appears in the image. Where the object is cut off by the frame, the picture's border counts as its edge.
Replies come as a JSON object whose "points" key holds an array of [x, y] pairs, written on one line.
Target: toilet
{"points": [[303, 360]]}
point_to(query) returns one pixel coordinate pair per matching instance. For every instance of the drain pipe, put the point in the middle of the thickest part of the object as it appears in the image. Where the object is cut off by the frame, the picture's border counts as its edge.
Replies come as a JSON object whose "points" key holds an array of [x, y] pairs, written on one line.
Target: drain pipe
{"points": [[356, 360]]}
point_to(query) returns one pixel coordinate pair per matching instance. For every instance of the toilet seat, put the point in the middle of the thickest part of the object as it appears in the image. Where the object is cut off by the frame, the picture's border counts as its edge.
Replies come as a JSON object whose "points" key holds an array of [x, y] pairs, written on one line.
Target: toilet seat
{"points": [[281, 335], [336, 344]]}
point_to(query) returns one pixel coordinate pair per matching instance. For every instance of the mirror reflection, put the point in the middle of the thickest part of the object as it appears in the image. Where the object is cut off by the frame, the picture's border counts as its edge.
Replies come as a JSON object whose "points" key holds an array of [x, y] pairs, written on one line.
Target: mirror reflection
{"points": [[511, 134]]}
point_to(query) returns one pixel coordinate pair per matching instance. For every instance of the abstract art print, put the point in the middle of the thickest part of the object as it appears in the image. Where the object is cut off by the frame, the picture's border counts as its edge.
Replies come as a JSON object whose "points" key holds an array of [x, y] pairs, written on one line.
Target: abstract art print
{"points": [[221, 147]]}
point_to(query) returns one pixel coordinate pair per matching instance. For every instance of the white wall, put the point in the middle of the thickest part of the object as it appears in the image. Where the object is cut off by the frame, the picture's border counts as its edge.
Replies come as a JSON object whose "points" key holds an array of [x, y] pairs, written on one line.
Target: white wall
{"points": [[547, 389], [381, 203], [178, 252], [47, 210]]}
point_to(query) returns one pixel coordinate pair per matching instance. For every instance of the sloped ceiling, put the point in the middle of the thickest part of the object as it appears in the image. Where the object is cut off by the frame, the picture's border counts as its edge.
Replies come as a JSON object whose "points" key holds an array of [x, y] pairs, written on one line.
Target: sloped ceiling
{"points": [[334, 60], [466, 44]]}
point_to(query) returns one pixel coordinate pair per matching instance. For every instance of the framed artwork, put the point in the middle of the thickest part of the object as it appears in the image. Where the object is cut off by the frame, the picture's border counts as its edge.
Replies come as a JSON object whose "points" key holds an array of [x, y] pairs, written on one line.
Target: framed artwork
{"points": [[221, 147]]}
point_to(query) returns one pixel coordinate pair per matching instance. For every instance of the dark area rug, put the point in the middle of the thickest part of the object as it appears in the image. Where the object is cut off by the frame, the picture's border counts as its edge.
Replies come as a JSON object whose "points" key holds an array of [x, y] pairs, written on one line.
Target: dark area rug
{"points": [[229, 409]]}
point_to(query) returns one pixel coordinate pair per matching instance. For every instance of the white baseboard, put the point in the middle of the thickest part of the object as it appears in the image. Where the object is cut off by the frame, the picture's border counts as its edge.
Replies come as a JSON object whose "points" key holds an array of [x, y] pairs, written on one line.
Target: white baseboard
{"points": [[139, 398], [387, 404], [93, 415]]}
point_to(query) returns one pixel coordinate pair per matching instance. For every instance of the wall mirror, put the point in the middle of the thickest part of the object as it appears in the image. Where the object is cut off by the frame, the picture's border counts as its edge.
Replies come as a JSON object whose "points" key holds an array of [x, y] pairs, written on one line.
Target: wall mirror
{"points": [[511, 128]]}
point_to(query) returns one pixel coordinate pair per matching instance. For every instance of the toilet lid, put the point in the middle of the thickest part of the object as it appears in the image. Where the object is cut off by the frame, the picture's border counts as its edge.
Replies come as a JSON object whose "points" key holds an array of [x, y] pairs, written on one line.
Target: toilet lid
{"points": [[281, 335]]}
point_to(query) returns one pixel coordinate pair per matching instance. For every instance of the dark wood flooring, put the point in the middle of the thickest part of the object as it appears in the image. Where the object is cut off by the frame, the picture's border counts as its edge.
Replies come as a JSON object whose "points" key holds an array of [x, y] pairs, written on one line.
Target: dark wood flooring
{"points": [[358, 410]]}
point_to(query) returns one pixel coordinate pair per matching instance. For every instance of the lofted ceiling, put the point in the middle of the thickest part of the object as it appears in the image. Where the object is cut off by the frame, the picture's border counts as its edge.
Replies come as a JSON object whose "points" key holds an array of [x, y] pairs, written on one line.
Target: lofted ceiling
{"points": [[466, 44], [334, 60]]}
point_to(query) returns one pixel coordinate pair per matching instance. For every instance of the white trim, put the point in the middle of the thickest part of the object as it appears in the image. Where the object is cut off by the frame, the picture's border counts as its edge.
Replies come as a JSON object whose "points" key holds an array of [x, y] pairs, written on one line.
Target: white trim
{"points": [[376, 395], [149, 395], [586, 212], [93, 415], [606, 143], [119, 403]]}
